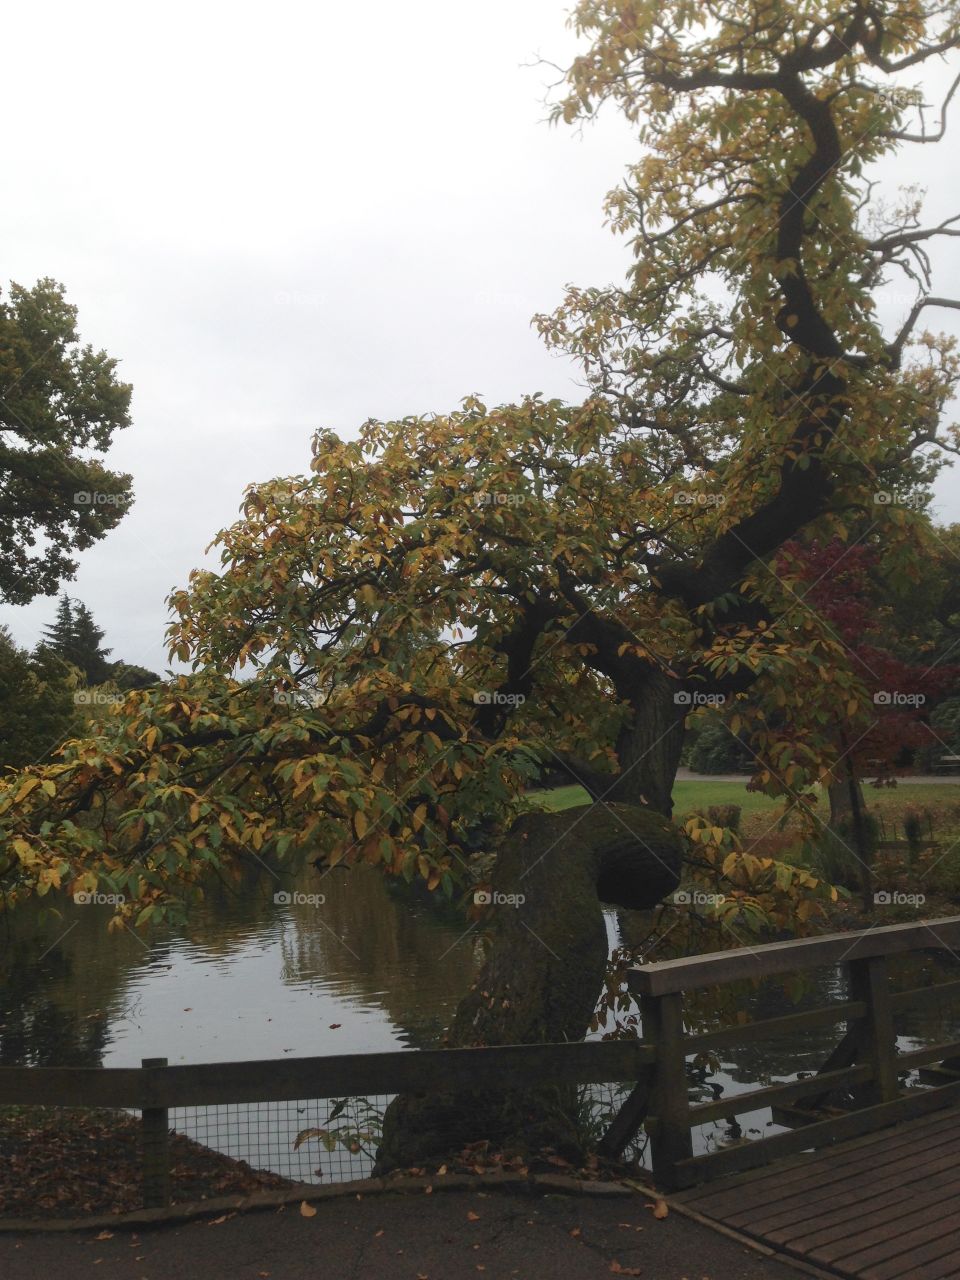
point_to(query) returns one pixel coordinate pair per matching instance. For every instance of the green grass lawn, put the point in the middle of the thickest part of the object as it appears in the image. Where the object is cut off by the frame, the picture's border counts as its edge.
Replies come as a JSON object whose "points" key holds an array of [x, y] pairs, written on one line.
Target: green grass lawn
{"points": [[942, 802]]}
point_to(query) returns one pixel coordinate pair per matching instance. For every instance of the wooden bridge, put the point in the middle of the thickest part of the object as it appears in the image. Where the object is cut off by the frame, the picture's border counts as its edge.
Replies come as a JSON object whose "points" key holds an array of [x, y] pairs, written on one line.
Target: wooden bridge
{"points": [[866, 1181], [863, 1177]]}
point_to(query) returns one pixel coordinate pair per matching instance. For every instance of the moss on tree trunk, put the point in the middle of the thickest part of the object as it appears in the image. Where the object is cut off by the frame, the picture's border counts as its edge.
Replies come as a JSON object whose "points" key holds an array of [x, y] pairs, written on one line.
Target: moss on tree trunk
{"points": [[543, 976]]}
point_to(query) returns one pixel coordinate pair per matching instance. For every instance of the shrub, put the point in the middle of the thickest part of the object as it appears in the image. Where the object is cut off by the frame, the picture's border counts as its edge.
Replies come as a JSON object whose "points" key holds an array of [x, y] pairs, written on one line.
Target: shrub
{"points": [[716, 750], [725, 815]]}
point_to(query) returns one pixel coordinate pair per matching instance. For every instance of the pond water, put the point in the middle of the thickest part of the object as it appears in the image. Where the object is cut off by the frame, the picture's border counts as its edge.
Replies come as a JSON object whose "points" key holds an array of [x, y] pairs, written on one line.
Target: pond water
{"points": [[372, 968]]}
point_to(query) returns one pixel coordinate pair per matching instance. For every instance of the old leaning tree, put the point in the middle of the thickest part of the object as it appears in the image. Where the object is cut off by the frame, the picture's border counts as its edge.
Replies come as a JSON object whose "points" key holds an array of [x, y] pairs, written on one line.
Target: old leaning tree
{"points": [[393, 646]]}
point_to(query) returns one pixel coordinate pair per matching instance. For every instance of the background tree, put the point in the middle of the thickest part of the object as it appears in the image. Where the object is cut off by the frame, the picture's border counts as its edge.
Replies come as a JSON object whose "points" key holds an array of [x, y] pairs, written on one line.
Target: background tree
{"points": [[127, 675], [36, 704], [58, 401], [88, 649], [76, 638], [58, 636]]}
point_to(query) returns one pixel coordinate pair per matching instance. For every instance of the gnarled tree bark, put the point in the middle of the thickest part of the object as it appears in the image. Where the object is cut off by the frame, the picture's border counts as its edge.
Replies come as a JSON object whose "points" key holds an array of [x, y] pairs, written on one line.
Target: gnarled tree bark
{"points": [[544, 974]]}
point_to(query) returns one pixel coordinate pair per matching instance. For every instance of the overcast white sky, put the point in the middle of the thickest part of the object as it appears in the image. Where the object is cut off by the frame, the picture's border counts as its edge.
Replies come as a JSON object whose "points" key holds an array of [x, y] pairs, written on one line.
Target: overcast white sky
{"points": [[294, 216]]}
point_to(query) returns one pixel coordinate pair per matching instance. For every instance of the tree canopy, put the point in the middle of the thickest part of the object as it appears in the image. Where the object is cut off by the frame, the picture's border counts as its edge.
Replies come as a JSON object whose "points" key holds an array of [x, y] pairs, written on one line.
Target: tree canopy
{"points": [[37, 711], [59, 400], [393, 645]]}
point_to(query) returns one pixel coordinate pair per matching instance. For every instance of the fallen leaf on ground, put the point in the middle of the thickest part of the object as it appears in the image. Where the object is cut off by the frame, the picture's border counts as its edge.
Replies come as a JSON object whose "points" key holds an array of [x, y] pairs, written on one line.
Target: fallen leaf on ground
{"points": [[617, 1270], [307, 1210], [575, 1232], [660, 1209], [104, 1235], [472, 1217]]}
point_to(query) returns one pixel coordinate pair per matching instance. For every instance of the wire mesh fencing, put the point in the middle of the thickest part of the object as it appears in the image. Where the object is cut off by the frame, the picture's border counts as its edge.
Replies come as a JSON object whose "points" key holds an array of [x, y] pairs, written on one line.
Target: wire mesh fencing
{"points": [[317, 1141]]}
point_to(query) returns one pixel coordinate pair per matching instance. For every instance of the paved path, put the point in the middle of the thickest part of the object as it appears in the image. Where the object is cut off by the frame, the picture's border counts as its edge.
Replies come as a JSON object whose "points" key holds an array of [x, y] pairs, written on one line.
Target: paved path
{"points": [[451, 1235]]}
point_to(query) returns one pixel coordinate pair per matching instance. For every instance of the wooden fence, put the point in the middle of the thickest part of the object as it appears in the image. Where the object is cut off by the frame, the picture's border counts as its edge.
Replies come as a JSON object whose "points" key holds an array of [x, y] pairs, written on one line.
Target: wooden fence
{"points": [[866, 1059]]}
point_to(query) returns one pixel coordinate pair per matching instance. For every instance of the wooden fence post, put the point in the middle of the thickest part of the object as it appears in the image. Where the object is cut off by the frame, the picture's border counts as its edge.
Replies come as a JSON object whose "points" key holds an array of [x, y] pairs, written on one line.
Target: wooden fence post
{"points": [[670, 1140], [155, 1149], [876, 1038]]}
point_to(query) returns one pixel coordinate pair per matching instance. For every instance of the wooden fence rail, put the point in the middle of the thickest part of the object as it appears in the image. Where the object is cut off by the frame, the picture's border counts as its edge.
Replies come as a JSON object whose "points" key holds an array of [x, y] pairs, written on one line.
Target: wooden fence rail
{"points": [[155, 1087], [865, 1062]]}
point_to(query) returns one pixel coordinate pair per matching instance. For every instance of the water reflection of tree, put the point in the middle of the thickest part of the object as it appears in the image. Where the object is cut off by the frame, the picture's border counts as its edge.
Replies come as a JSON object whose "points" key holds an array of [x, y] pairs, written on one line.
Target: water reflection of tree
{"points": [[400, 955], [37, 1027]]}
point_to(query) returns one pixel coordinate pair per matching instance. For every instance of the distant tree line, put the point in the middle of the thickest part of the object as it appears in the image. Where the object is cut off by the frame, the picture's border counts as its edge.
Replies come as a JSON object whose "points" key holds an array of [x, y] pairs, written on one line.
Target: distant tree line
{"points": [[39, 703]]}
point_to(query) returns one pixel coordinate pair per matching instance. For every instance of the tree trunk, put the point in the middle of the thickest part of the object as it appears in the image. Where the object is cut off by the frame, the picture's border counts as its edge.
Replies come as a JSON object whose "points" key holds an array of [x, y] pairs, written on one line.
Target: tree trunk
{"points": [[649, 747], [850, 823], [543, 976]]}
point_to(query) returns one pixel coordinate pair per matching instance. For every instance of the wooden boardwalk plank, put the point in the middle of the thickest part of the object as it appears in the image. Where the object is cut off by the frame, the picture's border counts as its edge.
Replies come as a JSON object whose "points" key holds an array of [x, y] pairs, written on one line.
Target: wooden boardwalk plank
{"points": [[853, 1192], [931, 1261], [749, 1205], [892, 1240], [801, 1166], [882, 1207], [834, 1228]]}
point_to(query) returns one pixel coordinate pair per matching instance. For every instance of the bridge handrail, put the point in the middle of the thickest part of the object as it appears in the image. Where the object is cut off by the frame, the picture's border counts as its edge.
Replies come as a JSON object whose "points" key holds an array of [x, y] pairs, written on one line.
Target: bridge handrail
{"points": [[689, 973]]}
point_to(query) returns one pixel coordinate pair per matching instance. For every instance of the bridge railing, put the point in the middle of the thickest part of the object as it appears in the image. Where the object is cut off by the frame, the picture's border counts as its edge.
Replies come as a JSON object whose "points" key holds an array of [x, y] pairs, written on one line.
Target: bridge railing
{"points": [[866, 1059]]}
